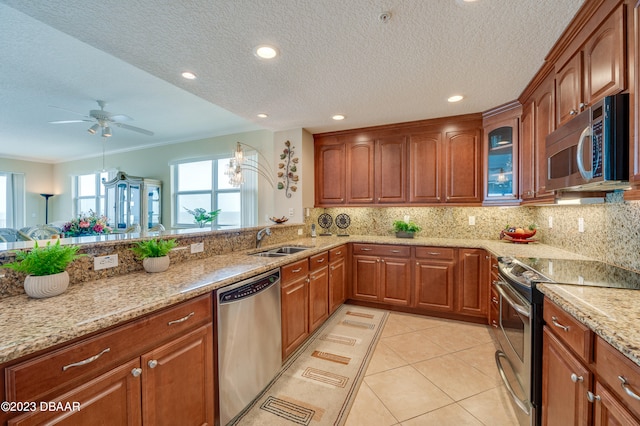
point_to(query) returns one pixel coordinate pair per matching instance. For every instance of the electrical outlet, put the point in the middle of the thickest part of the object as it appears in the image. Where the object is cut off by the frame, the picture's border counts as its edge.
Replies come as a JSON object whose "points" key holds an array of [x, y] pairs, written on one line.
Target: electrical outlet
{"points": [[104, 262], [300, 231], [291, 211], [472, 220], [550, 222], [197, 247], [580, 224]]}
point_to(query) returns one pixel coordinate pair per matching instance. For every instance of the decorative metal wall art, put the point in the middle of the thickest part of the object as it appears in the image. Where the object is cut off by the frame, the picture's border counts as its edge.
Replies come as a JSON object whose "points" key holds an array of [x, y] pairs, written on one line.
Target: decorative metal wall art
{"points": [[287, 170]]}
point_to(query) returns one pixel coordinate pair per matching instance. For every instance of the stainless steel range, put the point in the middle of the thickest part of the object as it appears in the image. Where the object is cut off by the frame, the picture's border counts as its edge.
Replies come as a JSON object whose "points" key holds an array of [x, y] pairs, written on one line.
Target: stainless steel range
{"points": [[519, 332]]}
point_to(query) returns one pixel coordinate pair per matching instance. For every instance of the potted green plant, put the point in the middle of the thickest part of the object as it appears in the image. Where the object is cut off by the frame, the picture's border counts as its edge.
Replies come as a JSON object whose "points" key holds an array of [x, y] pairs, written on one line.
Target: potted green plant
{"points": [[405, 229], [202, 217], [154, 254], [45, 268]]}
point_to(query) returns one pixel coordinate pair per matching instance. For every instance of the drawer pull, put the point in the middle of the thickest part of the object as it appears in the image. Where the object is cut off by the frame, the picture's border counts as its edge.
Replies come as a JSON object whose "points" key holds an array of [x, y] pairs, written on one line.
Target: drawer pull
{"points": [[592, 397], [183, 319], [136, 372], [575, 378], [494, 300], [395, 251], [555, 322], [153, 363], [627, 389], [365, 249], [320, 260], [494, 323], [295, 271], [434, 253], [86, 361], [338, 253]]}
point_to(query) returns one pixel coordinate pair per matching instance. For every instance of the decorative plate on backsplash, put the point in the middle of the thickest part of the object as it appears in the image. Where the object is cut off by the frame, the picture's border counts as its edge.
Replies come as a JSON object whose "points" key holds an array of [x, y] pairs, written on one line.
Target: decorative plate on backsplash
{"points": [[343, 221], [325, 220]]}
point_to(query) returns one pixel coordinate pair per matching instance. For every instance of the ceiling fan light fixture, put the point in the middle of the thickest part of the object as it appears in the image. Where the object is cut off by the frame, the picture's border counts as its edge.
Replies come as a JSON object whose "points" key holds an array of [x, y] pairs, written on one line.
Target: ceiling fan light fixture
{"points": [[93, 129], [106, 132]]}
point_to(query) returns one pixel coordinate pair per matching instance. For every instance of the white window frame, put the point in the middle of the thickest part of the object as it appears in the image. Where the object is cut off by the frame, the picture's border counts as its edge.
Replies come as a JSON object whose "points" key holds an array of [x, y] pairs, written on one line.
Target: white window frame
{"points": [[248, 196], [98, 197]]}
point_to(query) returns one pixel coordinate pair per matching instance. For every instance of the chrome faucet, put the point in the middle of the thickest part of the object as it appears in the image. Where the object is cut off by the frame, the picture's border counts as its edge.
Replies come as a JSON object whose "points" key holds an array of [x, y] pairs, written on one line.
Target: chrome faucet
{"points": [[261, 235]]}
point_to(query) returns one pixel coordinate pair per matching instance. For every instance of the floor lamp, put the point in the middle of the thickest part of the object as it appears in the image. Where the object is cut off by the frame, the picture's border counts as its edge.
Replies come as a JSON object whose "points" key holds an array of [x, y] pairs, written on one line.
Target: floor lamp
{"points": [[46, 207]]}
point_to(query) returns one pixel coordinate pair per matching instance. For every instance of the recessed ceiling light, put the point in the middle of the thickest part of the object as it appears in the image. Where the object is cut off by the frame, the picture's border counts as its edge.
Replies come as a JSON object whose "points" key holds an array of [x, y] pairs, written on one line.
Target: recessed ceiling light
{"points": [[189, 75], [338, 117], [262, 115], [266, 52], [455, 98]]}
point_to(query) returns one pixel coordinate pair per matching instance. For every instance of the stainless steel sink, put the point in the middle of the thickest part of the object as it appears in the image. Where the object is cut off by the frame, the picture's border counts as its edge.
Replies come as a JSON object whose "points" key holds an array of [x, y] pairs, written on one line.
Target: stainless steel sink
{"points": [[280, 251]]}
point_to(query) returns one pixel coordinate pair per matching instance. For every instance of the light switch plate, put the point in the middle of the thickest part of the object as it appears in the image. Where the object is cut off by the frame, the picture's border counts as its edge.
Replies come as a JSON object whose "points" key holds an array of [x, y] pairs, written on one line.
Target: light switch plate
{"points": [[105, 262], [472, 220], [580, 224]]}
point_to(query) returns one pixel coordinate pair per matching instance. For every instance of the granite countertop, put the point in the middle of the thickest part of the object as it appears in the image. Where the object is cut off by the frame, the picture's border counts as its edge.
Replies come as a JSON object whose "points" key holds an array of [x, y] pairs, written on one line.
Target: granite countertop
{"points": [[29, 325], [612, 313]]}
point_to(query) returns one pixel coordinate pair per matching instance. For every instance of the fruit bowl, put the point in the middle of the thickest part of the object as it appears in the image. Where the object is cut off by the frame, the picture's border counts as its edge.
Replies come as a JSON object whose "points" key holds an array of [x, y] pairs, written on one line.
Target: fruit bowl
{"points": [[523, 234], [279, 221]]}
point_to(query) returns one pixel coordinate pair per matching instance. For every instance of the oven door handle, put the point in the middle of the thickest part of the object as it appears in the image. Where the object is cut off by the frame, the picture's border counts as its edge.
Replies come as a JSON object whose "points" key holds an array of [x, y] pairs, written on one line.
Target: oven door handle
{"points": [[524, 405], [519, 308]]}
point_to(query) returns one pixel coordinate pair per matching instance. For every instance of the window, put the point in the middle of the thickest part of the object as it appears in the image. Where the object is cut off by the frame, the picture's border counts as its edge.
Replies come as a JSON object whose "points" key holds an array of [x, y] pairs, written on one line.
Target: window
{"points": [[89, 192], [12, 199], [203, 184]]}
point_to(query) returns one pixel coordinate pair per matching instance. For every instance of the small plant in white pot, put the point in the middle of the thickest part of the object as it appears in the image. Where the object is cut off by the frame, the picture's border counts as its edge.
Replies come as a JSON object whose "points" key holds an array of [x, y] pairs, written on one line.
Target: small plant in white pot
{"points": [[154, 254], [405, 229], [45, 268]]}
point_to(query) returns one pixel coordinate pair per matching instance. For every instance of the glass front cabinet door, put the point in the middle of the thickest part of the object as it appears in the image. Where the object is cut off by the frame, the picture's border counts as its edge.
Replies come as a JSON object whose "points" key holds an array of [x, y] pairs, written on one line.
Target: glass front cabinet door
{"points": [[132, 201], [501, 158]]}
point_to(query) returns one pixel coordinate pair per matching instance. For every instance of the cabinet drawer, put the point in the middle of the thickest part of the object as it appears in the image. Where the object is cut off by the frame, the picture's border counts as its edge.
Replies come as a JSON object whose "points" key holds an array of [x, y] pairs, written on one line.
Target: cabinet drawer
{"points": [[318, 261], [382, 250], [294, 271], [439, 253], [337, 253], [570, 331], [58, 370], [611, 365]]}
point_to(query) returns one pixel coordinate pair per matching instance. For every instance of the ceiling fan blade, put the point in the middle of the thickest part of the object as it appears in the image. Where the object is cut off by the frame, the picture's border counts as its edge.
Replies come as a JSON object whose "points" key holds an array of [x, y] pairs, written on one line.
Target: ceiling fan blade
{"points": [[133, 128], [68, 110], [70, 121], [120, 117]]}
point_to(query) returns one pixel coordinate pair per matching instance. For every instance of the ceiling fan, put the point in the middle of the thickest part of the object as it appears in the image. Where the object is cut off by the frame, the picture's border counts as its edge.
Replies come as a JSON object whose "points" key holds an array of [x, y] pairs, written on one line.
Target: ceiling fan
{"points": [[103, 120]]}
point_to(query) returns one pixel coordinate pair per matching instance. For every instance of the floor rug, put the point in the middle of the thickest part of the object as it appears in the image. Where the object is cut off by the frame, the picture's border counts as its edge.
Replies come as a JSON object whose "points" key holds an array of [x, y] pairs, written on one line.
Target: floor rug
{"points": [[318, 383]]}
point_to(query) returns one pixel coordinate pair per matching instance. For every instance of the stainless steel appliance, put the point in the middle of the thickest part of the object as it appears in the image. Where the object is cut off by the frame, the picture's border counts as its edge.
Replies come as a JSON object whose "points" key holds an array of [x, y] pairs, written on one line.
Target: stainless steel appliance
{"points": [[249, 340], [591, 151], [519, 333]]}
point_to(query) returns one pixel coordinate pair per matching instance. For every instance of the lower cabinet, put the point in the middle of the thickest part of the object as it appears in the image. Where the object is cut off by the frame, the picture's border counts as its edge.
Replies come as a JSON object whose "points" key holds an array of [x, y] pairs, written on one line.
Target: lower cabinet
{"points": [[337, 277], [318, 290], [435, 278], [472, 287], [294, 305], [155, 370], [382, 273], [577, 390]]}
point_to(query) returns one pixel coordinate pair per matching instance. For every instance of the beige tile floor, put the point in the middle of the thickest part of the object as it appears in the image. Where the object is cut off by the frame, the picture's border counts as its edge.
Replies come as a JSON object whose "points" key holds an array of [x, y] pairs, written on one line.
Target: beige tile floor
{"points": [[430, 371]]}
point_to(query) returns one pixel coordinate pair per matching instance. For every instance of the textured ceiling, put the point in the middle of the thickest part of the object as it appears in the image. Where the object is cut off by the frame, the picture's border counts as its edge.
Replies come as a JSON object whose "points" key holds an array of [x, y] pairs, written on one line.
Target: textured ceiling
{"points": [[335, 57]]}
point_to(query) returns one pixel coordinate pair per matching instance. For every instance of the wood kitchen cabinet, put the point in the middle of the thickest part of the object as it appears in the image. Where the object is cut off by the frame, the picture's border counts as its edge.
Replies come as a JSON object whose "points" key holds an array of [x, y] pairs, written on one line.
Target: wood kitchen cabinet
{"points": [[463, 166], [318, 290], [294, 305], [472, 283], [337, 277], [596, 70], [425, 168], [360, 172], [158, 369], [330, 179], [391, 170], [382, 273], [434, 273]]}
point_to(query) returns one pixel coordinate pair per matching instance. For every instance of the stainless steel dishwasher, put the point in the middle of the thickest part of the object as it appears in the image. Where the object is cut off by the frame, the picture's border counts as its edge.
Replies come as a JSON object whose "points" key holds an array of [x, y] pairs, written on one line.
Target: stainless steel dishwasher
{"points": [[249, 340]]}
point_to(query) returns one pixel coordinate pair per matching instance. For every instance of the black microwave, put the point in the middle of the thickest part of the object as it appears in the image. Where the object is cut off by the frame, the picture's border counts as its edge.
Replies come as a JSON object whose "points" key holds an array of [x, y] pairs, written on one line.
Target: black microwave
{"points": [[591, 151]]}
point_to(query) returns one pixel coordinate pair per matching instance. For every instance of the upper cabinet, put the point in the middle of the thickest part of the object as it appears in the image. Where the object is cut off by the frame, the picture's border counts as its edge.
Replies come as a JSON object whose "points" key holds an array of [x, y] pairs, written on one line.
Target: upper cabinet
{"points": [[422, 163], [501, 133], [595, 70]]}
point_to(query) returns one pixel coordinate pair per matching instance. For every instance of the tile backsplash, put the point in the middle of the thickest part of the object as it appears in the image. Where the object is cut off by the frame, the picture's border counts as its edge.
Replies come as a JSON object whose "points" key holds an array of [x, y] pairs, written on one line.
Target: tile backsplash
{"points": [[611, 230]]}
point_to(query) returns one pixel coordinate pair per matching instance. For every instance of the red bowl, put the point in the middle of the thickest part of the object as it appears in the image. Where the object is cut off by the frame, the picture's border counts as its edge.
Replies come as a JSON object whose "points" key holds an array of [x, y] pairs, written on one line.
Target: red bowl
{"points": [[521, 236]]}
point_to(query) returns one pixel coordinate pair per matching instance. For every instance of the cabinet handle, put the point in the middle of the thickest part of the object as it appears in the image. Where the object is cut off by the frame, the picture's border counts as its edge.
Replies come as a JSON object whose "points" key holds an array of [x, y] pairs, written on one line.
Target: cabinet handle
{"points": [[555, 322], [575, 378], [592, 397], [382, 260], [627, 389], [338, 253], [583, 105], [494, 300], [395, 251], [312, 277], [136, 372], [295, 271], [573, 112], [153, 363], [494, 324], [86, 361], [183, 319], [495, 265], [307, 280], [434, 253], [365, 249], [417, 263], [333, 268], [320, 260]]}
